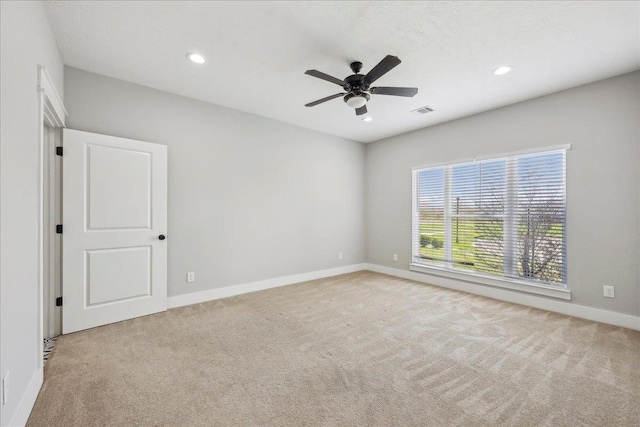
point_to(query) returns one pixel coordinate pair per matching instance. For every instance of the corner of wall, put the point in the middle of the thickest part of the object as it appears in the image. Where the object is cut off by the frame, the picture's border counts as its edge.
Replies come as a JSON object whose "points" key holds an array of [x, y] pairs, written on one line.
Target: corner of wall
{"points": [[27, 42]]}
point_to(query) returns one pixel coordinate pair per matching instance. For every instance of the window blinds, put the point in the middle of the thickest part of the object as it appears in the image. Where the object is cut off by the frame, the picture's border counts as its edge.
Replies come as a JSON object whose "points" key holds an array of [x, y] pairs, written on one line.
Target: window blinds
{"points": [[502, 217]]}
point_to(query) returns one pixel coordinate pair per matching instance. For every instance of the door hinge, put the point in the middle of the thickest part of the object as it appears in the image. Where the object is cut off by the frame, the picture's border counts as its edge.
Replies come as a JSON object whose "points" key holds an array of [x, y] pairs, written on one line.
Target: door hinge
{"points": [[59, 228], [59, 151], [59, 302]]}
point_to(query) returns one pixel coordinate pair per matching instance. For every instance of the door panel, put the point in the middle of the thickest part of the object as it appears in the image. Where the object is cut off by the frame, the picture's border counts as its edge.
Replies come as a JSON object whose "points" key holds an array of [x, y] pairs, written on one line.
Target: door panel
{"points": [[131, 280], [114, 209], [130, 187]]}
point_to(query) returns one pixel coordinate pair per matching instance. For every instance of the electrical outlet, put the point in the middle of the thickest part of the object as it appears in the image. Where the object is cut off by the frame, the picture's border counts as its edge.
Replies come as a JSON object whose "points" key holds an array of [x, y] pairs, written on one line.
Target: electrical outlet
{"points": [[395, 257], [339, 255], [191, 277], [608, 291], [5, 389]]}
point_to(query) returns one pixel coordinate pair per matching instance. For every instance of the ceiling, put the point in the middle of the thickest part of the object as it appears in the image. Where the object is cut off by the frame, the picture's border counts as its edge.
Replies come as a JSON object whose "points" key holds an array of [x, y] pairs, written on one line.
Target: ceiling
{"points": [[257, 53]]}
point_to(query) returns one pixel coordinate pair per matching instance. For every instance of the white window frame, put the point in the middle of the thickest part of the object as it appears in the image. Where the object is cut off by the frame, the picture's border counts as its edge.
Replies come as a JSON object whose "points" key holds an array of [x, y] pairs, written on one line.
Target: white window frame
{"points": [[529, 286]]}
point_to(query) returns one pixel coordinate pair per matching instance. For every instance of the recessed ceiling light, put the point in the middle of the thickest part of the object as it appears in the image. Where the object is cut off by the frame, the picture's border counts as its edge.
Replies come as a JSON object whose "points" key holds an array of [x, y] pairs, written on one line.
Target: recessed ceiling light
{"points": [[197, 58], [502, 70], [367, 119]]}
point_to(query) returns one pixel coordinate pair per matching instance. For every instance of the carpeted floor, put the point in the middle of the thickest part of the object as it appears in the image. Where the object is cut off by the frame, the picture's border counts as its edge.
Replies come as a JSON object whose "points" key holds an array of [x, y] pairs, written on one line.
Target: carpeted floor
{"points": [[363, 349]]}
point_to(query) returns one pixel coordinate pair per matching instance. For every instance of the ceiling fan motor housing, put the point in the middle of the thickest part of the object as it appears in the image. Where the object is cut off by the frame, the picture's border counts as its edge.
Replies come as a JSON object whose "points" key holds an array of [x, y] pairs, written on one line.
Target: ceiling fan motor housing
{"points": [[355, 84]]}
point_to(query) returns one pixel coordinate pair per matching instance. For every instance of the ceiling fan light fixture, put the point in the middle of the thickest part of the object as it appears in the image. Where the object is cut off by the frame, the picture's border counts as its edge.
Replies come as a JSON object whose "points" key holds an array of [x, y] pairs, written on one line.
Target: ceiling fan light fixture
{"points": [[355, 101]]}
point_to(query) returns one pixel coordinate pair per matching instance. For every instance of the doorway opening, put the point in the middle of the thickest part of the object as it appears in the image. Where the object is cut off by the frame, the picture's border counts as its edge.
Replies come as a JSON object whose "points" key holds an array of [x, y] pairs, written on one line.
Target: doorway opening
{"points": [[52, 240], [51, 122]]}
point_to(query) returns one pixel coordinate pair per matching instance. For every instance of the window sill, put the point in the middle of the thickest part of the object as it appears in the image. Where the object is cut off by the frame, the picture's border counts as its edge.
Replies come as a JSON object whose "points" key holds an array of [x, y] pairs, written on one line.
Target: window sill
{"points": [[513, 284]]}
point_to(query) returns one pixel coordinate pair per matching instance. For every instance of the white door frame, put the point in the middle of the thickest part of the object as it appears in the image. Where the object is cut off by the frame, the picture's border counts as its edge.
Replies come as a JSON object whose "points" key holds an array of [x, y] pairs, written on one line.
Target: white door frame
{"points": [[51, 113]]}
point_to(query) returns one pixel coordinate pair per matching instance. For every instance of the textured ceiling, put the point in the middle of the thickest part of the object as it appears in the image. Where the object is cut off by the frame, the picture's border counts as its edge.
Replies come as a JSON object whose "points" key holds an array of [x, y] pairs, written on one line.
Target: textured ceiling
{"points": [[257, 53]]}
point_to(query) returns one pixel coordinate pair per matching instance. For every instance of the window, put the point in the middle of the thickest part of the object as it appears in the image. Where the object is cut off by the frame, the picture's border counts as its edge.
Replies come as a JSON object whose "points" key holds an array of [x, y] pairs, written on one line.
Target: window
{"points": [[498, 217]]}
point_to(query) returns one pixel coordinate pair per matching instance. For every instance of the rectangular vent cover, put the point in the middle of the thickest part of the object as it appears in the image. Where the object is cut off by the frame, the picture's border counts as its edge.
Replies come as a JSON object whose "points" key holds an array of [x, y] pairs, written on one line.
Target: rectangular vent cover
{"points": [[423, 110]]}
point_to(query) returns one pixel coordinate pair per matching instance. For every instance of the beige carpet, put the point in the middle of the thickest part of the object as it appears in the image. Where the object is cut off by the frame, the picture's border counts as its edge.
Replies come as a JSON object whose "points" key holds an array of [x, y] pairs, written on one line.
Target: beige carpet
{"points": [[362, 349]]}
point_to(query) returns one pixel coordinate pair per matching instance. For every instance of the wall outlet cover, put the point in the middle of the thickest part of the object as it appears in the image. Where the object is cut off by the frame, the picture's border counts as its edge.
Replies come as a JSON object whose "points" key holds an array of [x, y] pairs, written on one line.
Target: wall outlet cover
{"points": [[191, 277], [608, 291]]}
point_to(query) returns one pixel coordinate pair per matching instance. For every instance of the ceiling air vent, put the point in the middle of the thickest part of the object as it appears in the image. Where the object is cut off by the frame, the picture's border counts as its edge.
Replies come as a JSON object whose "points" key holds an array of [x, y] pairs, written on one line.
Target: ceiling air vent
{"points": [[423, 110]]}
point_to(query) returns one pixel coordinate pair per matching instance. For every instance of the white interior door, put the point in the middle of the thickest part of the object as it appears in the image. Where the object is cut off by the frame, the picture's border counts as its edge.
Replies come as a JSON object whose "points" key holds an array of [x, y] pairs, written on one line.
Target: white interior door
{"points": [[114, 210]]}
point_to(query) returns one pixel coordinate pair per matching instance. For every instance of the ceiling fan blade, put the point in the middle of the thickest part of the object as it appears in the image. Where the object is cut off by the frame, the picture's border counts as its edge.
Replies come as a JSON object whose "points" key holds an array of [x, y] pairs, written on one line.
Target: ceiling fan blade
{"points": [[362, 110], [328, 98], [382, 68], [323, 76], [396, 91]]}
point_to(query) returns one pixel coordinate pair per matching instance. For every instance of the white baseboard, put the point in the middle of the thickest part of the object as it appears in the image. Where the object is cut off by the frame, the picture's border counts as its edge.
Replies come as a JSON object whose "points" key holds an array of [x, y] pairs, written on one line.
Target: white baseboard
{"points": [[28, 400], [229, 291], [558, 306]]}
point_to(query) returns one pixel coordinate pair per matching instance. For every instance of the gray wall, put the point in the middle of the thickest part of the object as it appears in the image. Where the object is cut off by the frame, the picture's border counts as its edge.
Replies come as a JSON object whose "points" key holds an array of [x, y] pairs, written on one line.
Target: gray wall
{"points": [[250, 198], [26, 41], [602, 122]]}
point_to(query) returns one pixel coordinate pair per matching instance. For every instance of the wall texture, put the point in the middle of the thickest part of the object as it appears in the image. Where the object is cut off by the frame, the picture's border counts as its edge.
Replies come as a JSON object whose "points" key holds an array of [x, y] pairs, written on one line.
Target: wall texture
{"points": [[250, 198], [26, 41], [602, 122]]}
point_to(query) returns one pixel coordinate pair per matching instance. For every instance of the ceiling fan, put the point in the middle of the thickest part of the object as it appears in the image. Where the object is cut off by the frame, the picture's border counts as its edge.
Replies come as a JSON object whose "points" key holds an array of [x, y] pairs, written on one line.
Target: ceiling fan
{"points": [[357, 88]]}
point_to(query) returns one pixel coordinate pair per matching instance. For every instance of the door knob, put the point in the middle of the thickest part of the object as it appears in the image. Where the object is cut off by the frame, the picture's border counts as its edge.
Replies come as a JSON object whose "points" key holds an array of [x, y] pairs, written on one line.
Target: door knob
{"points": [[162, 237]]}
